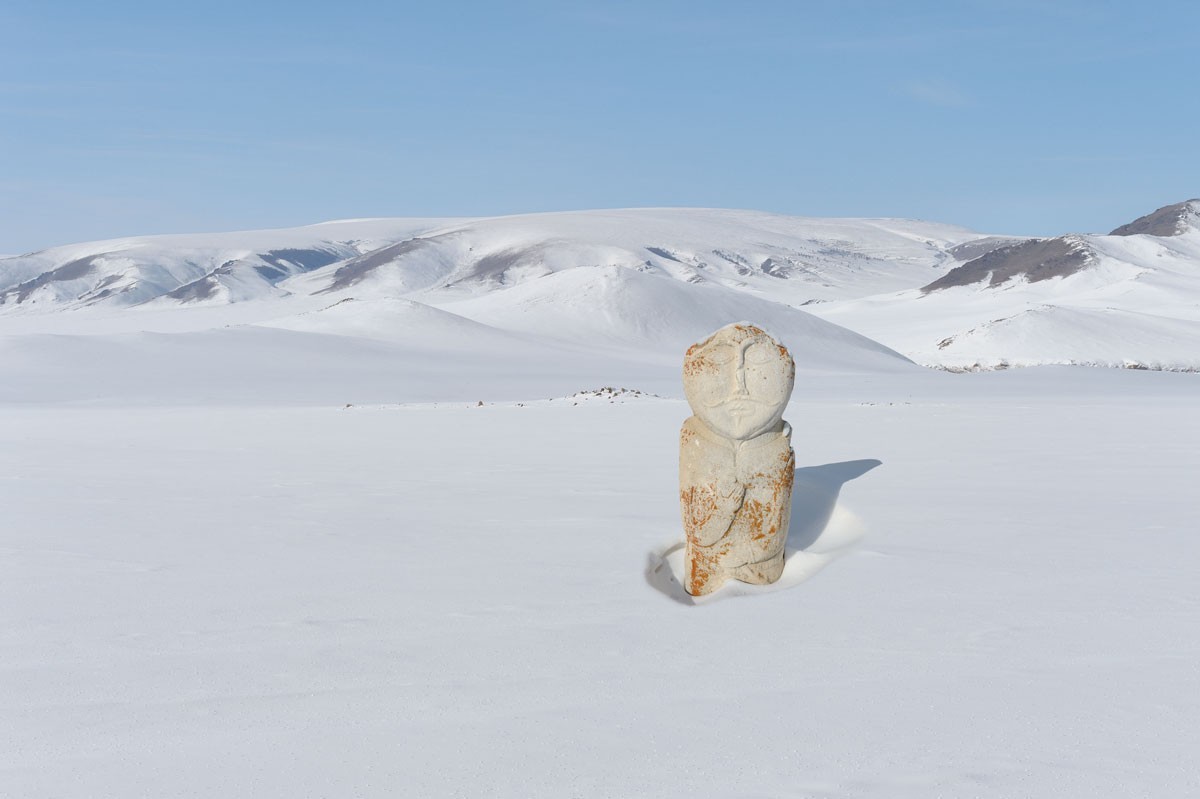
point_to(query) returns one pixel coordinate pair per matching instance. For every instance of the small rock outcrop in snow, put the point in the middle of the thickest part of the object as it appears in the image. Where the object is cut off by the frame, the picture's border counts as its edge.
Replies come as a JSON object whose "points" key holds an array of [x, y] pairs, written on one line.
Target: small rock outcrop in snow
{"points": [[1035, 260]]}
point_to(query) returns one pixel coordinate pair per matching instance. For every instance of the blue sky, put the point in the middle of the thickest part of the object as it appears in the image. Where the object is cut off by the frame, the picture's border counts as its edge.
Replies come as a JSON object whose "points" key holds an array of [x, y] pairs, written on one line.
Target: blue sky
{"points": [[1008, 116]]}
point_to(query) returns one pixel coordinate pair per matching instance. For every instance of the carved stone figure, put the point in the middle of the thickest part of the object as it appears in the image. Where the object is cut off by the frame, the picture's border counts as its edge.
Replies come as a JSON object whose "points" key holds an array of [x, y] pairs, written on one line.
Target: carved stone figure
{"points": [[736, 463]]}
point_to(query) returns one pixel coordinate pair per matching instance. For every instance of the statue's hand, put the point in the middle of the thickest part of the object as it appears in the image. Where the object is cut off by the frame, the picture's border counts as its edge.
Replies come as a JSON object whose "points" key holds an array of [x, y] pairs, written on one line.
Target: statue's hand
{"points": [[729, 489]]}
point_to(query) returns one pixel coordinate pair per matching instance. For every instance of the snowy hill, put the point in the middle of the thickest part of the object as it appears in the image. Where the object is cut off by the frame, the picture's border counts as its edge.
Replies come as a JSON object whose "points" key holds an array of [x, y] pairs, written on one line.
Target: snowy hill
{"points": [[645, 282], [1034, 260], [788, 259], [610, 307], [222, 267], [444, 306], [1170, 220], [1128, 299], [792, 259]]}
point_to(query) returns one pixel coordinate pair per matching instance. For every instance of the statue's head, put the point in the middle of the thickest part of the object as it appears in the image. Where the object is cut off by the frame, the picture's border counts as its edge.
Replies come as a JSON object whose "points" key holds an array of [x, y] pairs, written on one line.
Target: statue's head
{"points": [[738, 381]]}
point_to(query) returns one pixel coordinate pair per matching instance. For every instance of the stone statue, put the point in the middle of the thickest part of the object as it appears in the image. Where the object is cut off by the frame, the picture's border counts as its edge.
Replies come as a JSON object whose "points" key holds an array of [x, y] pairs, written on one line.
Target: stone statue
{"points": [[736, 462]]}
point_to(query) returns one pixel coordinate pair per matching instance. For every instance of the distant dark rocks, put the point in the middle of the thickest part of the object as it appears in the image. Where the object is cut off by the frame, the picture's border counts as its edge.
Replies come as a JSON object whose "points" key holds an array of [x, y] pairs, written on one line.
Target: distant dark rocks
{"points": [[997, 260], [356, 269], [1035, 259], [72, 270], [970, 250], [1170, 220], [300, 260], [663, 252]]}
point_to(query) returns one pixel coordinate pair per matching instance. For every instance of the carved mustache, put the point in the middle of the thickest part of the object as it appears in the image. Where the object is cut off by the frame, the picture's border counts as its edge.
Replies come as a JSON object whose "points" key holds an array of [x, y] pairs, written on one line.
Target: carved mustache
{"points": [[741, 399]]}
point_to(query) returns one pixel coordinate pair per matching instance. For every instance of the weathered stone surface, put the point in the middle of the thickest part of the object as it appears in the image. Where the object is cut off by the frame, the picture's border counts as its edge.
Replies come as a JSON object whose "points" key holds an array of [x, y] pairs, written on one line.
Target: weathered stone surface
{"points": [[736, 463]]}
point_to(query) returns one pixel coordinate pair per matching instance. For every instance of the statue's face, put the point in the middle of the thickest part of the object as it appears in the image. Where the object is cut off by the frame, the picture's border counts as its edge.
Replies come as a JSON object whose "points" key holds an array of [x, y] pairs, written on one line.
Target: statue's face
{"points": [[738, 381]]}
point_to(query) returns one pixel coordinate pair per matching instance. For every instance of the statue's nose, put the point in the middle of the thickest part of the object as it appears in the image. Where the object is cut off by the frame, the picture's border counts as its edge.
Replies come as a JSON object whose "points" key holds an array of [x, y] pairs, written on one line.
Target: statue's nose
{"points": [[739, 378]]}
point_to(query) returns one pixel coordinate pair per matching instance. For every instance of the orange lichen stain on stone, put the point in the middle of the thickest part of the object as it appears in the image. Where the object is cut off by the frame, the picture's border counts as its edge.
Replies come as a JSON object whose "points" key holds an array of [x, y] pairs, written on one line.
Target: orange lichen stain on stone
{"points": [[698, 578], [698, 363], [783, 486], [753, 513], [703, 565], [698, 508], [762, 518]]}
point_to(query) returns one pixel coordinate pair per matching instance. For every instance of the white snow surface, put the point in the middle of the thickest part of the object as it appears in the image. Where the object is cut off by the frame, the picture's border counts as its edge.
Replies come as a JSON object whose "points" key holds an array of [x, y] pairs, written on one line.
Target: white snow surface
{"points": [[990, 592], [383, 542]]}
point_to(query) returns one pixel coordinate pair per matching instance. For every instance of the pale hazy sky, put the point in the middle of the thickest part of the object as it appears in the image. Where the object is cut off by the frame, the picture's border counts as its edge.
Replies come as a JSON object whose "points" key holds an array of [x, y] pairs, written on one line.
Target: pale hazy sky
{"points": [[1008, 116]]}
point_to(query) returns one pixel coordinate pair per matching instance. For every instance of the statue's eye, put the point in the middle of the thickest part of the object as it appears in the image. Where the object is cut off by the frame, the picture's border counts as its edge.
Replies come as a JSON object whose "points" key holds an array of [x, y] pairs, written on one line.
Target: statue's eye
{"points": [[722, 354], [759, 353]]}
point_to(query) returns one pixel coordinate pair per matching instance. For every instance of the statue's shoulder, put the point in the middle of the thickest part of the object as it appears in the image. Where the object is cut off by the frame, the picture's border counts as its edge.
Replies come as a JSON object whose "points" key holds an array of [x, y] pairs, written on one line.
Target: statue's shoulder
{"points": [[785, 438], [700, 452], [688, 430], [694, 432]]}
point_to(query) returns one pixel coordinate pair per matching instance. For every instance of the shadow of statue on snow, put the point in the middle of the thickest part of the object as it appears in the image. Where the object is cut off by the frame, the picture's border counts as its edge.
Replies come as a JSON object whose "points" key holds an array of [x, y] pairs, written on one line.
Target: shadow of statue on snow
{"points": [[819, 530]]}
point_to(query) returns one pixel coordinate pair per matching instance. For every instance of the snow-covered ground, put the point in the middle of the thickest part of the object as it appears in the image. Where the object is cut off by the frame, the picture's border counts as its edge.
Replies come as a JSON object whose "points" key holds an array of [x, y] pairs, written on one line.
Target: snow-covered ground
{"points": [[359, 544], [237, 595]]}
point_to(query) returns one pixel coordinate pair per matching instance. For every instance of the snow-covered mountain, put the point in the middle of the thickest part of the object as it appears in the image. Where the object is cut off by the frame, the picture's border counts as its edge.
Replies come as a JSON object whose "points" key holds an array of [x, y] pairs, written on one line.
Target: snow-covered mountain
{"points": [[218, 267], [445, 306], [645, 282], [1170, 220], [1127, 299], [606, 309], [790, 259]]}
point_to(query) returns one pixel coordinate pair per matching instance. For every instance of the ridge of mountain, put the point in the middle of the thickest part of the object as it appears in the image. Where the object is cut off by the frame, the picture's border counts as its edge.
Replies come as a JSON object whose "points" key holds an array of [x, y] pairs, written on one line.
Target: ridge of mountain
{"points": [[1127, 300], [1034, 259], [801, 259], [186, 268], [1170, 220], [1046, 258], [644, 280]]}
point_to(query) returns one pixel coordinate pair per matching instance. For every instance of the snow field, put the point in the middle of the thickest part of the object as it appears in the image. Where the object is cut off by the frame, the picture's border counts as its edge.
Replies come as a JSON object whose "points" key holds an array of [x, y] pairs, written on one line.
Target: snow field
{"points": [[342, 542], [453, 600]]}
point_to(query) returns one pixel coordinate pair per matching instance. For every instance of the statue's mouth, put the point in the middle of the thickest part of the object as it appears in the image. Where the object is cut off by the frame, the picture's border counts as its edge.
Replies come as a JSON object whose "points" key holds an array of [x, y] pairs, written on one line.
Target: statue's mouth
{"points": [[739, 406]]}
